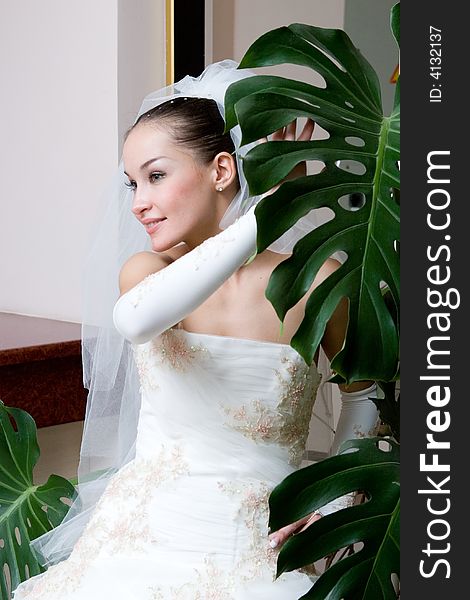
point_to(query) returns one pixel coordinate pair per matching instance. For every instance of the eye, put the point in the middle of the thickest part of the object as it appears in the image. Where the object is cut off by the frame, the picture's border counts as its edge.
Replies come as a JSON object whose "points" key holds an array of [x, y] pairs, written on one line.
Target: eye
{"points": [[156, 176], [130, 184]]}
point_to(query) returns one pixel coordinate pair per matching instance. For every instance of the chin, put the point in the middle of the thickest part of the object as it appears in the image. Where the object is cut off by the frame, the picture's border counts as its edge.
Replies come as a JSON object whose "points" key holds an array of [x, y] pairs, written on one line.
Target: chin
{"points": [[161, 245]]}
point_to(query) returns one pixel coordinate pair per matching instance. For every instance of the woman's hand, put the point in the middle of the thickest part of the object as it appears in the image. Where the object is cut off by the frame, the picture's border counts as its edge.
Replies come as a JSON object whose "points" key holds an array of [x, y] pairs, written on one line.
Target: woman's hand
{"points": [[278, 538], [288, 133]]}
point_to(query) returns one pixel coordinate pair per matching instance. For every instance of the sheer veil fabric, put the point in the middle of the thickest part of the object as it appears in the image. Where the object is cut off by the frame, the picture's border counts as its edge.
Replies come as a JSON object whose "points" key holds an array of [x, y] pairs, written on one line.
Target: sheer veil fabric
{"points": [[109, 370]]}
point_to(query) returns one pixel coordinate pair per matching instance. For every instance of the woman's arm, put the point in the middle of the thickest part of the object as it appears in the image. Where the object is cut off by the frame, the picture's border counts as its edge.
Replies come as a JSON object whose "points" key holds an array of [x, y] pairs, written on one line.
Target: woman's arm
{"points": [[358, 416], [165, 297]]}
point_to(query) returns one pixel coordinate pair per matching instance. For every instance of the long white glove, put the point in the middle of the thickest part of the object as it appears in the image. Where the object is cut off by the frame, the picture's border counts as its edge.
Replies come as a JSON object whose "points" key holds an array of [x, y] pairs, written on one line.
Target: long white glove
{"points": [[358, 416], [358, 419], [164, 298]]}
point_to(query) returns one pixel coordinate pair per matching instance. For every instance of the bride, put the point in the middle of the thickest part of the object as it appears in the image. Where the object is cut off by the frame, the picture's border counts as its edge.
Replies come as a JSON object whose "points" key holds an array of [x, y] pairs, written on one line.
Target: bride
{"points": [[198, 405]]}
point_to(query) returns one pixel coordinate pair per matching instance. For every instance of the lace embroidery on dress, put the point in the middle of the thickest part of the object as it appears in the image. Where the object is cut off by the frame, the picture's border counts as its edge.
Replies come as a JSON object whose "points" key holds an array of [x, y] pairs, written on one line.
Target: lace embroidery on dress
{"points": [[253, 510], [359, 433], [122, 528], [287, 424], [215, 583], [144, 368], [210, 583], [176, 351], [169, 348]]}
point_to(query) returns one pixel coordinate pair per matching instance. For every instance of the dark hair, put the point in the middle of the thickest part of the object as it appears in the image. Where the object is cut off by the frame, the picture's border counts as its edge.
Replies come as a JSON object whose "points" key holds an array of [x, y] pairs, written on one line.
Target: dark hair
{"points": [[192, 122]]}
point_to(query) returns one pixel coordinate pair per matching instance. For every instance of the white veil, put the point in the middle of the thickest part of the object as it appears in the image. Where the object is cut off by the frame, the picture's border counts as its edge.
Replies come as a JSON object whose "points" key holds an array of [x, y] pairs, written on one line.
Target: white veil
{"points": [[109, 371]]}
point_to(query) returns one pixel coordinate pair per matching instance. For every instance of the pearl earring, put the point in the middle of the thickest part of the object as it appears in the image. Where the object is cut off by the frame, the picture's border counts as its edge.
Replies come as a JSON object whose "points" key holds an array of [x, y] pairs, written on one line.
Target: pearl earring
{"points": [[220, 189]]}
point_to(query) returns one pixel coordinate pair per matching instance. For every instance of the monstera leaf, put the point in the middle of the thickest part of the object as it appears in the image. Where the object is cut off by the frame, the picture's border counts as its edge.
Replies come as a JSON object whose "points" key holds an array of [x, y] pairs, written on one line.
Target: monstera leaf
{"points": [[26, 510], [359, 184], [368, 573]]}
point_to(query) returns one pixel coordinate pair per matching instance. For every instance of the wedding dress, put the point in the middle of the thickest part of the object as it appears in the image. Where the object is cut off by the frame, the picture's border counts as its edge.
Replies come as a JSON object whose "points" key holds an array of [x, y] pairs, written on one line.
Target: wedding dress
{"points": [[223, 420]]}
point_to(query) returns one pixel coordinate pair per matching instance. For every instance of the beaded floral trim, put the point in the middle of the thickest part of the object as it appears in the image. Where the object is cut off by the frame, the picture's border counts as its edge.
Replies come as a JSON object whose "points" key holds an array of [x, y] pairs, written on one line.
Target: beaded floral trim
{"points": [[360, 433], [210, 583], [170, 349], [213, 583], [254, 510], [119, 523], [286, 424], [142, 289], [252, 501]]}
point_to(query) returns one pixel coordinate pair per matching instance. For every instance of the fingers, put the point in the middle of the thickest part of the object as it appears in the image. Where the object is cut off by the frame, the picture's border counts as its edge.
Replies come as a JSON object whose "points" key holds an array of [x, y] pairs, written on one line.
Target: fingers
{"points": [[288, 133], [285, 133], [278, 135], [314, 517], [307, 131], [278, 538]]}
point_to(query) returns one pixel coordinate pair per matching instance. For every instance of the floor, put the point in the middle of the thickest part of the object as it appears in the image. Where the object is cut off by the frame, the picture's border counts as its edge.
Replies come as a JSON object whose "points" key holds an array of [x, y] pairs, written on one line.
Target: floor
{"points": [[60, 449]]}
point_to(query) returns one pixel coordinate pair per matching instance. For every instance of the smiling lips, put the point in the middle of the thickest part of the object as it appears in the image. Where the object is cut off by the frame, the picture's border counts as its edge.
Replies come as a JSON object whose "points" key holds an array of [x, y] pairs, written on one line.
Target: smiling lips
{"points": [[152, 226]]}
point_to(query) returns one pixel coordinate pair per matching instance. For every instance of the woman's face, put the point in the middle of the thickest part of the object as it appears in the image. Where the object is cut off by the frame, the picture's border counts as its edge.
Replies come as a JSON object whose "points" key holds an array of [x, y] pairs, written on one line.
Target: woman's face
{"points": [[174, 195]]}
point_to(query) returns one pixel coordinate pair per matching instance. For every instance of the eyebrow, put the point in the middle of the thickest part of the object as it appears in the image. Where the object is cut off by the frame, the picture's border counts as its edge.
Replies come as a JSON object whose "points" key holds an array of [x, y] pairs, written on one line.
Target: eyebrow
{"points": [[147, 163]]}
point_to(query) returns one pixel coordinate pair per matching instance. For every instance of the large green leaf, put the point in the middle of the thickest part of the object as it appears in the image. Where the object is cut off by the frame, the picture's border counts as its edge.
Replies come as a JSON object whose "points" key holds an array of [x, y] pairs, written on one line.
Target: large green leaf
{"points": [[26, 510], [349, 109], [365, 467]]}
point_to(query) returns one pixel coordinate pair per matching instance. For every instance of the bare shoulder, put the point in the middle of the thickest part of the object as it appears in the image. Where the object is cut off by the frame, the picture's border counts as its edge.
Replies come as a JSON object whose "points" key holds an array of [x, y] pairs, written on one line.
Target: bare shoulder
{"points": [[138, 266], [142, 264]]}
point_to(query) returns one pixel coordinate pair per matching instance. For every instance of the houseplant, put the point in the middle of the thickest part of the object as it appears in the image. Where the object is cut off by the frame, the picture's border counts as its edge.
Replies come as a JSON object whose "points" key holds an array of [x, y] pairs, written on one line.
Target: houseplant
{"points": [[26, 510], [349, 109]]}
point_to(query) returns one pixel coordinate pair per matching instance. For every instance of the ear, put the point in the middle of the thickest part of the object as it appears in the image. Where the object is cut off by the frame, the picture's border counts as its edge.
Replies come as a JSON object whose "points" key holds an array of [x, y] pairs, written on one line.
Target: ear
{"points": [[225, 170]]}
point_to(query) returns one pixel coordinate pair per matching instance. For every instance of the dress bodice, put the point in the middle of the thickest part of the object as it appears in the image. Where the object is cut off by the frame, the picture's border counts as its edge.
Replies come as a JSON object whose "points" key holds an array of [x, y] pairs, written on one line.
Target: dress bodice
{"points": [[255, 396]]}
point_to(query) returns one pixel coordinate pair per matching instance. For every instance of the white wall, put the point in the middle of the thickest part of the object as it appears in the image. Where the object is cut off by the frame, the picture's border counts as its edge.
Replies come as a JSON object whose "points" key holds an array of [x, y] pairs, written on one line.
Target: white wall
{"points": [[67, 95], [59, 128], [237, 23], [367, 22], [141, 56]]}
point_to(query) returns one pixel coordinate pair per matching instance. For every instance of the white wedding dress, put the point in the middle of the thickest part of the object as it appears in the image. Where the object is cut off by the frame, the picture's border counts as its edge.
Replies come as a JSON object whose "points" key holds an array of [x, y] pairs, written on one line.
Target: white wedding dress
{"points": [[223, 420]]}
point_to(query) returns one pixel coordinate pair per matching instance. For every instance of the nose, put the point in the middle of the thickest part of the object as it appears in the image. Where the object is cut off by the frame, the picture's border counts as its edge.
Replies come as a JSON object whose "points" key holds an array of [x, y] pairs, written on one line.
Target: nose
{"points": [[140, 202]]}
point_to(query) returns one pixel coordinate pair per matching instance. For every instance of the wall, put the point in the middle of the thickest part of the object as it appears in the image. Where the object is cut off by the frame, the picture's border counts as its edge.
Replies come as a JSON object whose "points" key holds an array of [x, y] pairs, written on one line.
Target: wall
{"points": [[238, 23], [73, 73], [367, 22], [141, 56]]}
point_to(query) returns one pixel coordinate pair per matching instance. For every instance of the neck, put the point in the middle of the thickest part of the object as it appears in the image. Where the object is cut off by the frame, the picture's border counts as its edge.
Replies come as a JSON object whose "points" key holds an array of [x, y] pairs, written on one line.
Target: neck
{"points": [[200, 236], [211, 227]]}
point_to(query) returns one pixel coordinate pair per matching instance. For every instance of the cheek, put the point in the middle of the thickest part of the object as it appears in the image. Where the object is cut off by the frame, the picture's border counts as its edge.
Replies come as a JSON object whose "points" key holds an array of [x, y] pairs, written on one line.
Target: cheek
{"points": [[186, 187], [188, 191]]}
